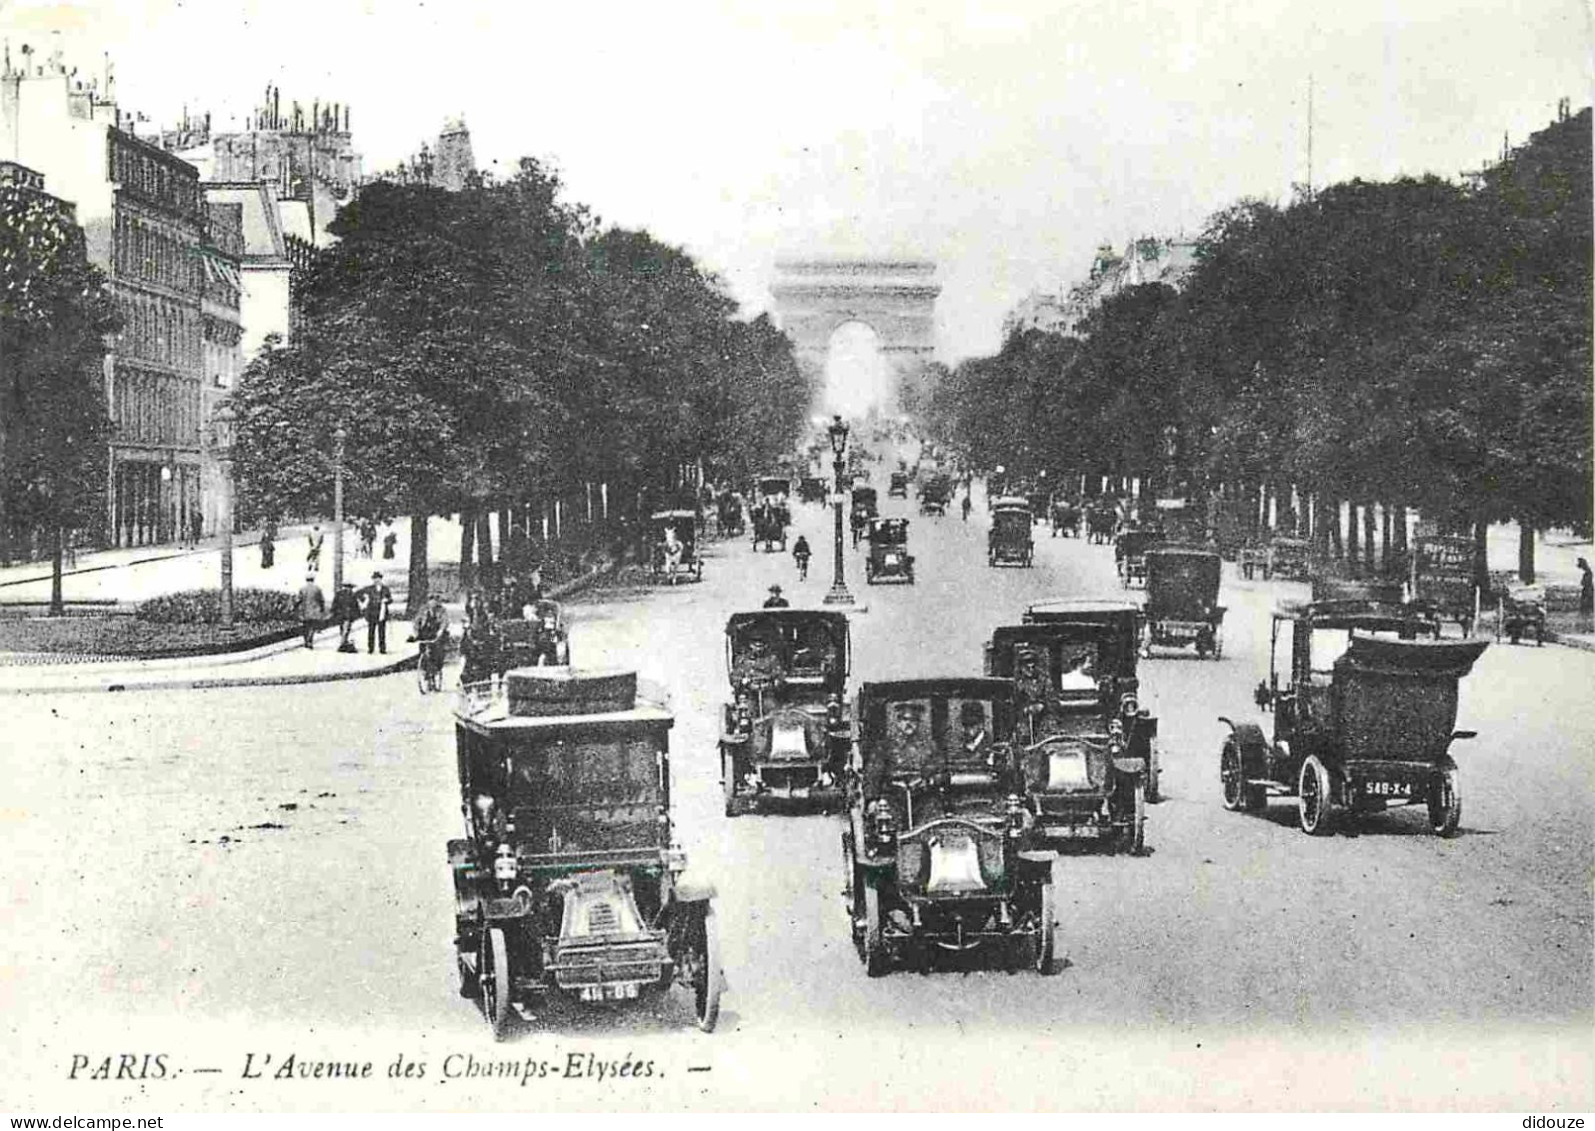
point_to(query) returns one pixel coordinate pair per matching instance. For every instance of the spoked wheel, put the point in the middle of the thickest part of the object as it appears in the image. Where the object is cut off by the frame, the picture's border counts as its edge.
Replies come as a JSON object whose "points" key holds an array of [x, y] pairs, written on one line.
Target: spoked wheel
{"points": [[1232, 775], [1313, 801], [493, 976], [703, 974], [1445, 800], [871, 944], [1046, 957]]}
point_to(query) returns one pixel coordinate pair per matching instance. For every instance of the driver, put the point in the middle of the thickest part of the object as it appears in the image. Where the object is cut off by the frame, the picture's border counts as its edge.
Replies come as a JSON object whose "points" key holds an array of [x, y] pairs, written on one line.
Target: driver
{"points": [[975, 735], [759, 664]]}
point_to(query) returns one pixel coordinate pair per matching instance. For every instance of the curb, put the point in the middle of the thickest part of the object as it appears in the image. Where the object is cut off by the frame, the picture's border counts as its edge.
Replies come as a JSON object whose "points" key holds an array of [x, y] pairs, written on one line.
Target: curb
{"points": [[1571, 640]]}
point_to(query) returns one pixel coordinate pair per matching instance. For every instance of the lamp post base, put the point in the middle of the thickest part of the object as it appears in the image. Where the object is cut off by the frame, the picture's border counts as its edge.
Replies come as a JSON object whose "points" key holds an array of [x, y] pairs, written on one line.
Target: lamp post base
{"points": [[838, 596]]}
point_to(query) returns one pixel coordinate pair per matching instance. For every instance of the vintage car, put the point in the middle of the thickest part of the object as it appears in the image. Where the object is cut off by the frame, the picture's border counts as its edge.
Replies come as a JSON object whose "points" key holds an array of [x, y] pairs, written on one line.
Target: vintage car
{"points": [[1130, 545], [1102, 523], [539, 640], [1520, 612], [1009, 541], [1079, 775], [673, 546], [786, 735], [769, 527], [728, 515], [1114, 627], [1290, 559], [774, 488], [935, 847], [1182, 600], [1444, 578], [864, 508], [889, 559], [567, 882], [811, 489], [898, 486], [1365, 720], [934, 495], [1065, 517]]}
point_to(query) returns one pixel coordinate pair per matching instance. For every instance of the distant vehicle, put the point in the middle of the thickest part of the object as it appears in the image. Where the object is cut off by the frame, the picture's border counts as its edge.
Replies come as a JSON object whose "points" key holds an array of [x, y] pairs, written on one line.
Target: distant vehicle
{"points": [[1445, 579], [540, 640], [811, 490], [1010, 541], [864, 507], [889, 559], [1363, 721], [1102, 523], [935, 843], [1520, 612], [567, 882], [1182, 599], [1129, 553], [1065, 518], [786, 735], [934, 495], [1290, 559], [898, 489], [769, 528], [673, 546]]}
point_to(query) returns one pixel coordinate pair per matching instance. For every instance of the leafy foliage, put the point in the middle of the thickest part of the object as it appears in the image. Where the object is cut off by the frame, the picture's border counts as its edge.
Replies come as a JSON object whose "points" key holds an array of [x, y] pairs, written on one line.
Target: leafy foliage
{"points": [[203, 606]]}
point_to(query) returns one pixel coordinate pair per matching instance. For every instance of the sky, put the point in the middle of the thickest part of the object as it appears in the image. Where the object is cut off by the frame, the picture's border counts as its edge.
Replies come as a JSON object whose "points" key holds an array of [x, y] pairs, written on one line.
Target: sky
{"points": [[1004, 141]]}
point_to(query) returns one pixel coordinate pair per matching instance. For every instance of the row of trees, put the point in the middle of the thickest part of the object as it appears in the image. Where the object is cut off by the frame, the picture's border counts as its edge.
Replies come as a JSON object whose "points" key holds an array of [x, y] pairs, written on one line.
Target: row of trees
{"points": [[54, 316], [495, 349], [1411, 344]]}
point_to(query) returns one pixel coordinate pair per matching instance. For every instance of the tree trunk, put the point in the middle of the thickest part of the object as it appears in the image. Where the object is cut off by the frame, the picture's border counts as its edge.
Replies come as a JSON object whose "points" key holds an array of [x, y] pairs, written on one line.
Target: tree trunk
{"points": [[467, 548], [1525, 553], [1401, 533], [1481, 557], [484, 540], [1353, 548], [415, 599], [57, 608], [1386, 556], [505, 541], [1370, 527]]}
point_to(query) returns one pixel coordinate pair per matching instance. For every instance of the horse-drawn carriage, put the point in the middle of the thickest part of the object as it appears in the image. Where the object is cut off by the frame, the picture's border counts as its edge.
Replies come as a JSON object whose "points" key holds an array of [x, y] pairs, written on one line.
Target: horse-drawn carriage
{"points": [[1129, 553], [786, 735], [1101, 522], [1065, 515], [567, 882], [811, 489], [1365, 720], [674, 551], [864, 507]]}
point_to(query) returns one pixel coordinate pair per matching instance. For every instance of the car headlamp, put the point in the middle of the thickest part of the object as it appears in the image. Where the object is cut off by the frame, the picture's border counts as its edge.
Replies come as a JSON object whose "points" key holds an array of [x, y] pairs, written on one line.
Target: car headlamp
{"points": [[505, 867], [1128, 706]]}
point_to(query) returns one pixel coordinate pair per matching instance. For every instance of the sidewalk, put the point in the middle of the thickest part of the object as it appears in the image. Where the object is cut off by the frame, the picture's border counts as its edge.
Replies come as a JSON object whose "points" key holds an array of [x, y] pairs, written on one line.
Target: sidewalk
{"points": [[287, 662]]}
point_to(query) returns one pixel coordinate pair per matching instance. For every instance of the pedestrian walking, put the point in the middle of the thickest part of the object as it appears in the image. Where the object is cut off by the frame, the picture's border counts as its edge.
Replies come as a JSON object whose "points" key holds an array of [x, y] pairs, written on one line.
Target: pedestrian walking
{"points": [[312, 609], [389, 540], [268, 546], [376, 600], [368, 538], [196, 526], [345, 610], [313, 547], [1586, 597]]}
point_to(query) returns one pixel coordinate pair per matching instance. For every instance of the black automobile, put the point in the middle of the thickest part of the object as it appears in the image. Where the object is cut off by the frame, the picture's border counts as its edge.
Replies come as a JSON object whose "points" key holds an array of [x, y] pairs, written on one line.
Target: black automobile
{"points": [[898, 487], [1364, 720], [567, 882], [1010, 541], [1130, 545], [889, 559], [935, 847], [863, 508], [1182, 606], [786, 735]]}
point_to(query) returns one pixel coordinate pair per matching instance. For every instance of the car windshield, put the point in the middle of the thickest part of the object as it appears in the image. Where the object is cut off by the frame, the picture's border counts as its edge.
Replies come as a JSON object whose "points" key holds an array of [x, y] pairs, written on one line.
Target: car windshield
{"points": [[934, 734], [793, 647], [1011, 522]]}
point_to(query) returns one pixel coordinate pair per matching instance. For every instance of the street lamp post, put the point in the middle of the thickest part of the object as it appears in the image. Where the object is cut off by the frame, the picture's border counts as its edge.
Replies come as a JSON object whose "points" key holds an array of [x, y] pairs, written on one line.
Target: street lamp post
{"points": [[222, 422], [838, 594], [338, 439]]}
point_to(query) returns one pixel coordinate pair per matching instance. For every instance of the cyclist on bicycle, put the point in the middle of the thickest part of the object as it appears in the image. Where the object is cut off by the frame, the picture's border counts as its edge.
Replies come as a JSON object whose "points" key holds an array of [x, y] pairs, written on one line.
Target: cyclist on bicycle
{"points": [[432, 634], [801, 553]]}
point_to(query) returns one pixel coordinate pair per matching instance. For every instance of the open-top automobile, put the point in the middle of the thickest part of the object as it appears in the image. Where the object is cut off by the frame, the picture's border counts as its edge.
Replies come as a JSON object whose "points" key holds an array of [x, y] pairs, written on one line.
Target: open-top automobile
{"points": [[888, 559], [787, 733], [935, 848], [1182, 606], [567, 882], [1363, 720], [538, 640], [1010, 540]]}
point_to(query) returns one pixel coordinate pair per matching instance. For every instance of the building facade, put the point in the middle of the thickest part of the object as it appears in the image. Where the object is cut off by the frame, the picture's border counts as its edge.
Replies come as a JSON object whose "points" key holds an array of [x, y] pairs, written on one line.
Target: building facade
{"points": [[221, 254], [144, 222], [1065, 310]]}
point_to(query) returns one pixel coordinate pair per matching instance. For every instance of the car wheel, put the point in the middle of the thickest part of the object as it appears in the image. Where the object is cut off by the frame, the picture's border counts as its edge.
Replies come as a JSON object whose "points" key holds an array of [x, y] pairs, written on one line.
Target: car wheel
{"points": [[1313, 797], [1232, 775], [872, 946], [706, 980], [1445, 800], [493, 974], [1046, 958], [1134, 838]]}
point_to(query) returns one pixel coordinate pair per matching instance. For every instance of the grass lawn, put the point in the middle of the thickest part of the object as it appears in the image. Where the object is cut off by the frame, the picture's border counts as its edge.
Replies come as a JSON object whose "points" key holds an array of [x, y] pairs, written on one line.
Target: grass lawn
{"points": [[127, 635]]}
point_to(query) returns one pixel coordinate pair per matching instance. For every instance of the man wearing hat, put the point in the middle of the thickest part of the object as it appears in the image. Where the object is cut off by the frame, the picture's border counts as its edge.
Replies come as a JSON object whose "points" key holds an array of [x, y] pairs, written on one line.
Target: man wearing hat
{"points": [[376, 598], [775, 600], [312, 609]]}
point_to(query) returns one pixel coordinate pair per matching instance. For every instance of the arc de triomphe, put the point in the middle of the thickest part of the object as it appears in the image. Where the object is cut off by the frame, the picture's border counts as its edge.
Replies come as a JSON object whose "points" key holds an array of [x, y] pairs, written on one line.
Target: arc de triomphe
{"points": [[894, 297]]}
